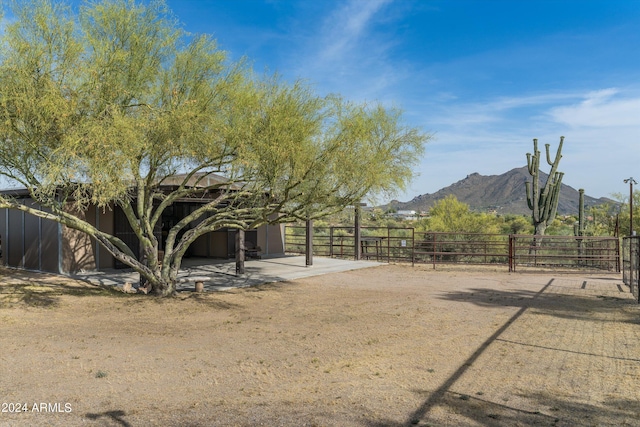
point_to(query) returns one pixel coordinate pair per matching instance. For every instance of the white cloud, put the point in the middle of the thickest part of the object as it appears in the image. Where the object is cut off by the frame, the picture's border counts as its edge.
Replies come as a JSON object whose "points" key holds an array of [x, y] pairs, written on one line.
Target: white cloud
{"points": [[346, 27], [601, 129], [348, 52], [603, 108], [499, 110]]}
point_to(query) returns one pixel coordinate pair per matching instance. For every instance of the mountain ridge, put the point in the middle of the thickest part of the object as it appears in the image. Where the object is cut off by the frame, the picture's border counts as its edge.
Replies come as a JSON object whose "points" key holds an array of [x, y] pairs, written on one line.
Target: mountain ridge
{"points": [[503, 194]]}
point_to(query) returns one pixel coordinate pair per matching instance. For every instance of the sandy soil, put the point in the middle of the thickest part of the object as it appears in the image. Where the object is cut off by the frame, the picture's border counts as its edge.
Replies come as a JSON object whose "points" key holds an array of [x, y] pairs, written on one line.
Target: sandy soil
{"points": [[384, 346]]}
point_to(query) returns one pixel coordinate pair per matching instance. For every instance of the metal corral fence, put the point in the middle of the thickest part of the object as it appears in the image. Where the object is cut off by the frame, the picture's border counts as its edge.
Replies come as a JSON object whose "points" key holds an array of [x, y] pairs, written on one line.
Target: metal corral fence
{"points": [[385, 244], [573, 252], [406, 245], [631, 264], [461, 248]]}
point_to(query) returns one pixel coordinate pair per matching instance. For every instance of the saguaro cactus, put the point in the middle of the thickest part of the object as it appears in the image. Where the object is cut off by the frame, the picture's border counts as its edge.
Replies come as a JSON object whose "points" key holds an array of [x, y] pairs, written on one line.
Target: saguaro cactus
{"points": [[543, 202]]}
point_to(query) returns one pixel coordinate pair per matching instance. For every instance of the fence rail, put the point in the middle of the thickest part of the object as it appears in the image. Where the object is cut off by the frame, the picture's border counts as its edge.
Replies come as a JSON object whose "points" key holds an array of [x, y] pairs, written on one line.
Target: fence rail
{"points": [[574, 252], [385, 244], [461, 248], [513, 251]]}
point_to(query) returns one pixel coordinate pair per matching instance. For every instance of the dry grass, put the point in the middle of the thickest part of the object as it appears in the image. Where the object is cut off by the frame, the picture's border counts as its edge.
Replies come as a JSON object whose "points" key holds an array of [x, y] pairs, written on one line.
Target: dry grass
{"points": [[385, 346]]}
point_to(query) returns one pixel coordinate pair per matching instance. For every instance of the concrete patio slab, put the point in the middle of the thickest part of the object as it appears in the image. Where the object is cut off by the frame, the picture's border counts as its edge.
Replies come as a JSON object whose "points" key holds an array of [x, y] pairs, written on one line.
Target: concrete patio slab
{"points": [[220, 275]]}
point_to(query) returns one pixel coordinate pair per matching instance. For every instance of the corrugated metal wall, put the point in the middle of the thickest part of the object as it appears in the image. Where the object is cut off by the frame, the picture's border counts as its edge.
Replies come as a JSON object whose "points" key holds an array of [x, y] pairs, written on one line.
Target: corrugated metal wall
{"points": [[34, 243], [29, 242]]}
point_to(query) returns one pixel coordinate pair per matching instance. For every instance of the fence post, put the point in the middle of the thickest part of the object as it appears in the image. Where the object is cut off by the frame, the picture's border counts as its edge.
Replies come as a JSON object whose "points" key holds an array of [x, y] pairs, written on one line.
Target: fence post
{"points": [[485, 251], [309, 243], [433, 248], [413, 247], [618, 255], [636, 263], [356, 233], [240, 251], [388, 245], [331, 242], [511, 260], [633, 273]]}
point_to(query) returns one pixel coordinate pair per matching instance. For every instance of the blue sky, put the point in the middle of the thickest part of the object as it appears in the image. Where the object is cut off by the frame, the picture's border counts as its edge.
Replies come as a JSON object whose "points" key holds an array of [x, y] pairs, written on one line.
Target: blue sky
{"points": [[484, 77]]}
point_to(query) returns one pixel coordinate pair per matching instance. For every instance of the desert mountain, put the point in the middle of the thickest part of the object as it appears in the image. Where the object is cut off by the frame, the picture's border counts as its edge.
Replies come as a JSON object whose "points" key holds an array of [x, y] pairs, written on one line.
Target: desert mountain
{"points": [[504, 194]]}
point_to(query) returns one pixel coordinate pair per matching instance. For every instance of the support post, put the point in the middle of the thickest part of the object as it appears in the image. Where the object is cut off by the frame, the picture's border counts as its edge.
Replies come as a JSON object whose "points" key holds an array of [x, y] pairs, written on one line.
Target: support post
{"points": [[308, 247], [39, 243], [239, 251], [413, 247], [631, 181], [97, 257], [60, 247], [356, 233], [5, 236], [331, 242], [24, 243], [512, 265]]}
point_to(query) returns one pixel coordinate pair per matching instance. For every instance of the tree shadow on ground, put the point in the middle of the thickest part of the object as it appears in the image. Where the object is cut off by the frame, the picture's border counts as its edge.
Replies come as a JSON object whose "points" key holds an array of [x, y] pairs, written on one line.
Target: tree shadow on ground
{"points": [[587, 307], [20, 288], [472, 409], [47, 294], [209, 300], [269, 286]]}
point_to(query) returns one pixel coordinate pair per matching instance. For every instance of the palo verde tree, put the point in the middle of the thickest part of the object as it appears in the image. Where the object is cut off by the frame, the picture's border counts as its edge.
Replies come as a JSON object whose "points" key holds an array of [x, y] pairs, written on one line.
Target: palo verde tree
{"points": [[543, 202], [453, 216], [114, 105]]}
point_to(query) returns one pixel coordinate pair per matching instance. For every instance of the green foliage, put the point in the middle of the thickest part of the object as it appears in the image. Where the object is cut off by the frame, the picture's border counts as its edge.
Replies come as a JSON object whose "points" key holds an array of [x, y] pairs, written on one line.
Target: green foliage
{"points": [[375, 217], [598, 220], [601, 220], [622, 212], [562, 227], [516, 224], [451, 215], [104, 106]]}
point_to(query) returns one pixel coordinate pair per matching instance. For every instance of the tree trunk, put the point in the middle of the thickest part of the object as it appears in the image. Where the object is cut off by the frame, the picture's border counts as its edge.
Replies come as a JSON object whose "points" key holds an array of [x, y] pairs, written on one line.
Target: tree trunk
{"points": [[309, 243], [240, 251], [162, 287]]}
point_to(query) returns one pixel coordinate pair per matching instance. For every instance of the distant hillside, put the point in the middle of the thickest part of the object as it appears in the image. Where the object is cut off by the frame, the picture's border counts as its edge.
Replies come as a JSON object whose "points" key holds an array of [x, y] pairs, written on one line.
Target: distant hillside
{"points": [[501, 193]]}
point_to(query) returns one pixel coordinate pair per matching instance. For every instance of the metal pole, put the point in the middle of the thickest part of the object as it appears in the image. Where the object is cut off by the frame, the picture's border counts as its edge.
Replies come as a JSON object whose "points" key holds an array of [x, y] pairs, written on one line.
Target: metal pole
{"points": [[356, 233], [618, 256], [97, 257], [239, 251], [23, 242], [413, 247], [5, 254], [39, 244], [331, 242], [434, 250], [388, 245], [511, 263], [631, 181], [309, 243], [60, 249]]}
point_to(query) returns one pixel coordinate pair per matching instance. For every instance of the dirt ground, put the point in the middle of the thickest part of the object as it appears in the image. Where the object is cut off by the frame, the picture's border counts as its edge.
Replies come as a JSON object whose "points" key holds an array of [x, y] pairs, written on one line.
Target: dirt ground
{"points": [[383, 346]]}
